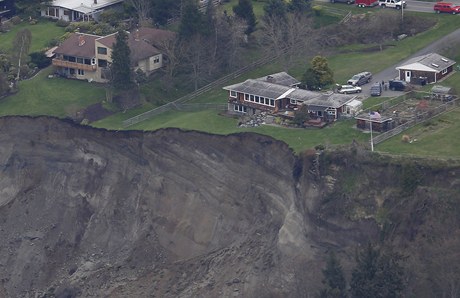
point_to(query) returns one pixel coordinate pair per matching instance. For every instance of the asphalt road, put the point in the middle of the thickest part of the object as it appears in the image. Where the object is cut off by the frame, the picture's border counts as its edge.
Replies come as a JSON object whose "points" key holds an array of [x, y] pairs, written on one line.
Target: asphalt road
{"points": [[412, 5], [389, 73]]}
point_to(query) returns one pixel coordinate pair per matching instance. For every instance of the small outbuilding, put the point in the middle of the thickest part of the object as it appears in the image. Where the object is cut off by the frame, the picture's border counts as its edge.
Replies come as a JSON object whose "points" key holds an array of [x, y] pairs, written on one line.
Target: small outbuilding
{"points": [[352, 108], [431, 68], [442, 93]]}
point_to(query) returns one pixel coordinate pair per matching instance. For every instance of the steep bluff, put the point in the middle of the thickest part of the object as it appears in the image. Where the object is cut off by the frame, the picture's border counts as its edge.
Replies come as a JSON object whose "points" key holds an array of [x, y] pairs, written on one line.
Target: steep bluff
{"points": [[92, 213]]}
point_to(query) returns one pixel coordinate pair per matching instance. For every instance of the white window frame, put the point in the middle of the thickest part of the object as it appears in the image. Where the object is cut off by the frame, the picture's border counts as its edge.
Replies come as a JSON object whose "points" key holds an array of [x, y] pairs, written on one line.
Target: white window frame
{"points": [[233, 94], [81, 72], [444, 71]]}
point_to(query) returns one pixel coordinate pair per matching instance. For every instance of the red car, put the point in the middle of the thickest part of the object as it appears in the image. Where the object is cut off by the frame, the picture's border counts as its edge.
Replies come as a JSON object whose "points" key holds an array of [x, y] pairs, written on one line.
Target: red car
{"points": [[446, 7]]}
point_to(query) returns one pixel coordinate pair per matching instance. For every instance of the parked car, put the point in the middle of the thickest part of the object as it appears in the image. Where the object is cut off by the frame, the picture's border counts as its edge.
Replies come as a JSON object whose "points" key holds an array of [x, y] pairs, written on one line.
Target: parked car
{"points": [[446, 7], [392, 4], [360, 79], [366, 3], [397, 85], [349, 89], [376, 89], [343, 1]]}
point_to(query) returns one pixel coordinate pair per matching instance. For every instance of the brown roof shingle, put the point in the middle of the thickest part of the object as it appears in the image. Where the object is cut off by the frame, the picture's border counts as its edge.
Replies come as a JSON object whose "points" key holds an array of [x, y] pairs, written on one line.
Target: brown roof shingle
{"points": [[78, 45]]}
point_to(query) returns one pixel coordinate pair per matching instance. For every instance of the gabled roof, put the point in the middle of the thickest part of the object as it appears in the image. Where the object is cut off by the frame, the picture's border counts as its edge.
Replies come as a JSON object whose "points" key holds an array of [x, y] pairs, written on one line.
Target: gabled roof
{"points": [[259, 88], [85, 6], [280, 78], [431, 62], [155, 36], [140, 49], [275, 91], [332, 100], [78, 45]]}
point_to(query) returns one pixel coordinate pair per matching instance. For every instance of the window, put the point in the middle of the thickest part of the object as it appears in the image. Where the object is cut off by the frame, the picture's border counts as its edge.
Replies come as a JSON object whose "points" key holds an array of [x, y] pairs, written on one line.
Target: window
{"points": [[72, 71], [81, 72], [257, 98], [267, 101], [232, 93], [72, 59], [444, 71], [246, 97], [240, 108], [88, 61], [252, 98], [80, 60], [272, 102], [156, 59], [102, 51]]}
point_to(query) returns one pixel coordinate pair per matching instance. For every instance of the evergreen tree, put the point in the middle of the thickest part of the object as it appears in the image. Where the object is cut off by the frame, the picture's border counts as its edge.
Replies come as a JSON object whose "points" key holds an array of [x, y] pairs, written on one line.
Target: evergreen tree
{"points": [[377, 274], [191, 22], [163, 10], [245, 11], [321, 68], [121, 63], [276, 9], [299, 6], [334, 279], [311, 80]]}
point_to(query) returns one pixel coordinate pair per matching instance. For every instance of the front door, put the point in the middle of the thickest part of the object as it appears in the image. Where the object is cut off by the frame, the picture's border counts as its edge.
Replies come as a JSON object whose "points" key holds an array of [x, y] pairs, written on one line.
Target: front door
{"points": [[408, 75]]}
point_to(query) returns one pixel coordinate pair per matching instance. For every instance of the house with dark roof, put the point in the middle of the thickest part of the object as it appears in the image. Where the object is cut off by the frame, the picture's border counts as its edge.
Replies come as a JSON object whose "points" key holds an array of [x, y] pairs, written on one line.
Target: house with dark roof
{"points": [[279, 94], [78, 10], [88, 57], [431, 66]]}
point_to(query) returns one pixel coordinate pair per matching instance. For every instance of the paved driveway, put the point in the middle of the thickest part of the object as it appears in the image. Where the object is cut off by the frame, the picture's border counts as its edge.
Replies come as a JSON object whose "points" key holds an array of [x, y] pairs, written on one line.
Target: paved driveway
{"points": [[389, 73]]}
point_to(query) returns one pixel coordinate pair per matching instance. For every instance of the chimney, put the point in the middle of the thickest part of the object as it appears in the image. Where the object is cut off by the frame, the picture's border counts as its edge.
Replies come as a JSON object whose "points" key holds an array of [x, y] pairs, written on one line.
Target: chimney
{"points": [[95, 1], [81, 40], [271, 79]]}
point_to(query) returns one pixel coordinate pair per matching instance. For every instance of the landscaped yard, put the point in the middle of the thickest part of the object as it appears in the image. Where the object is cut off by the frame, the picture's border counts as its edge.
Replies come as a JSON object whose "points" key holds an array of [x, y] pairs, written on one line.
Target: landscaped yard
{"points": [[55, 97], [42, 33]]}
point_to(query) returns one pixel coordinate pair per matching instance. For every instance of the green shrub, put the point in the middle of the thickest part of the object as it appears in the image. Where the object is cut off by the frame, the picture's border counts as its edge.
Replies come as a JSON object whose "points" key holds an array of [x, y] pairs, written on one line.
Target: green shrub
{"points": [[39, 59], [317, 10], [16, 20], [62, 23]]}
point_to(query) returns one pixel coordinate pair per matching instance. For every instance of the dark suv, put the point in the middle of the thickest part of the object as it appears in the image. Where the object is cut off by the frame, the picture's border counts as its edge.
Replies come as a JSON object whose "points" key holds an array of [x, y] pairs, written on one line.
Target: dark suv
{"points": [[360, 78], [397, 85]]}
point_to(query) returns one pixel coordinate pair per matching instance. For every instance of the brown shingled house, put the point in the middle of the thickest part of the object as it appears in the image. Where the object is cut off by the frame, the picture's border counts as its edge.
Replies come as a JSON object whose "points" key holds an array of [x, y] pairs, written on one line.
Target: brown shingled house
{"points": [[87, 57]]}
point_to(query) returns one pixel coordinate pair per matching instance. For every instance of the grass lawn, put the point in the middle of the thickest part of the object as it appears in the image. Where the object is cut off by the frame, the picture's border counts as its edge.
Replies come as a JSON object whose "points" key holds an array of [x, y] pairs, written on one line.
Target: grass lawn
{"points": [[55, 97], [438, 137], [42, 33], [343, 65], [342, 132]]}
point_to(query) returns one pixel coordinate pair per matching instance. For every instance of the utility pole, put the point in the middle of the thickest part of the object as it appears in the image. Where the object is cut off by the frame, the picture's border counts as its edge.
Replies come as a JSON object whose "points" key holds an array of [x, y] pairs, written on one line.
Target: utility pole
{"points": [[370, 127]]}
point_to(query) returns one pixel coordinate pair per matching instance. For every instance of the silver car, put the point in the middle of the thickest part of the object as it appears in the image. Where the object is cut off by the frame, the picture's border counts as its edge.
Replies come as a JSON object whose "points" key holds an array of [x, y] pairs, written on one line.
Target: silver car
{"points": [[349, 89]]}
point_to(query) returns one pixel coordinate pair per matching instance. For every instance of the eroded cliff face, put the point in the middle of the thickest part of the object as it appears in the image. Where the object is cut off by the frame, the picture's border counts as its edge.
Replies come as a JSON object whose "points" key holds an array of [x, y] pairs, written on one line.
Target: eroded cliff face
{"points": [[92, 213]]}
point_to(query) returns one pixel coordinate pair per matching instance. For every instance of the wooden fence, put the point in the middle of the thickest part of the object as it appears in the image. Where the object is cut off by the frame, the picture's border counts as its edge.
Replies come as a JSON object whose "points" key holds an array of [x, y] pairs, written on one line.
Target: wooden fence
{"points": [[441, 109], [219, 82]]}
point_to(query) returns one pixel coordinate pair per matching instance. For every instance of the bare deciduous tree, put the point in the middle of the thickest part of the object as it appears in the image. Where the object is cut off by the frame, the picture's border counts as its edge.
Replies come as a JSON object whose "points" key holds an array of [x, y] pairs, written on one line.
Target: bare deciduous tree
{"points": [[142, 8], [21, 46], [286, 39]]}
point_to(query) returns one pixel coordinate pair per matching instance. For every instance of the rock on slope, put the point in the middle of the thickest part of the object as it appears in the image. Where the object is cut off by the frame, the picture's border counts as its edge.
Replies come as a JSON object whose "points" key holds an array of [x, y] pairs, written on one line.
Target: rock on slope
{"points": [[93, 213]]}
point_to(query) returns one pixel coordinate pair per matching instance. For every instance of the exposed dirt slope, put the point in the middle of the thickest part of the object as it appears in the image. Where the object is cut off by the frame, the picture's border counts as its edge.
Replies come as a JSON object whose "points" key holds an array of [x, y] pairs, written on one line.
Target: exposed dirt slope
{"points": [[94, 213]]}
